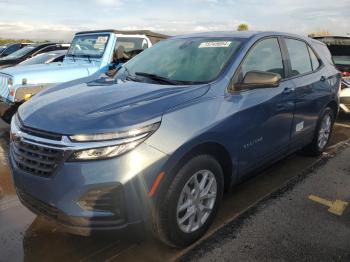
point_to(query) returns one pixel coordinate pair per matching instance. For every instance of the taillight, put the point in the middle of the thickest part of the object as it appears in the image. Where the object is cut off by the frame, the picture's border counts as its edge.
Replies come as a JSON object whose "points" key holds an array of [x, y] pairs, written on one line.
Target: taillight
{"points": [[10, 87], [345, 74]]}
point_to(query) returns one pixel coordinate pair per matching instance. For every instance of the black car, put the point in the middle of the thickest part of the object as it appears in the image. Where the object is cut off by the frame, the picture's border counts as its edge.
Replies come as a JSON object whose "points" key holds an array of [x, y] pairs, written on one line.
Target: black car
{"points": [[8, 49], [28, 52]]}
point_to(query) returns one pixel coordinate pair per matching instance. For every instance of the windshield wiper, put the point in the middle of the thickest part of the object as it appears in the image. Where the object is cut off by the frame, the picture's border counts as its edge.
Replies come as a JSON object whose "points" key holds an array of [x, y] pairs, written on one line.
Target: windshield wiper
{"points": [[88, 57], [129, 76], [71, 55], [158, 78]]}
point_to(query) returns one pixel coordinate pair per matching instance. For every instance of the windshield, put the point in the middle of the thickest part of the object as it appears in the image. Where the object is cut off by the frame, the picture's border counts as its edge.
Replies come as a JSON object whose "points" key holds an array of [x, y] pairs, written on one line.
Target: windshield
{"points": [[2, 48], [21, 52], [340, 54], [40, 59], [92, 46], [196, 60]]}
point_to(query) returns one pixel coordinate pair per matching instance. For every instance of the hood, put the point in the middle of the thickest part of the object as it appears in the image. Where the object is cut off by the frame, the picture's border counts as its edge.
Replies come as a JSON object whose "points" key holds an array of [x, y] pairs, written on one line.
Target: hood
{"points": [[49, 73], [98, 107]]}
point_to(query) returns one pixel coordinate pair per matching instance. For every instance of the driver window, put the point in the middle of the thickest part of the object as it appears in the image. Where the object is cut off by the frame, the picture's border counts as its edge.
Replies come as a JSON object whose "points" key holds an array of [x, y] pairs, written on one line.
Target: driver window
{"points": [[265, 56]]}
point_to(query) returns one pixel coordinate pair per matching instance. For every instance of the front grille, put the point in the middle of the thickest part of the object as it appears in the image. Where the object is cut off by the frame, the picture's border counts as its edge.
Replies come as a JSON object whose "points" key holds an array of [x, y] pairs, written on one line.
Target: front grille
{"points": [[4, 91], [34, 159]]}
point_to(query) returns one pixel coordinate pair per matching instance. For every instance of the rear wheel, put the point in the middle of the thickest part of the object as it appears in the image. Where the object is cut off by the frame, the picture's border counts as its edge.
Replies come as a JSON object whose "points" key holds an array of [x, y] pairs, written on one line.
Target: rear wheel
{"points": [[191, 202], [322, 134]]}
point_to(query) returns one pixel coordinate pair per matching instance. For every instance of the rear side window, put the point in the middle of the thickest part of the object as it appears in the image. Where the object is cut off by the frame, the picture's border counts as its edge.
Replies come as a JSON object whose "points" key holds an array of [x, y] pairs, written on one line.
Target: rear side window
{"points": [[265, 56], [314, 60], [299, 57]]}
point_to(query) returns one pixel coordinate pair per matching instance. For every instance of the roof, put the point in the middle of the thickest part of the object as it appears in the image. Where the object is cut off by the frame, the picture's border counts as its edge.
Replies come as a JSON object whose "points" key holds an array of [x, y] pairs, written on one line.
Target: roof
{"points": [[243, 34]]}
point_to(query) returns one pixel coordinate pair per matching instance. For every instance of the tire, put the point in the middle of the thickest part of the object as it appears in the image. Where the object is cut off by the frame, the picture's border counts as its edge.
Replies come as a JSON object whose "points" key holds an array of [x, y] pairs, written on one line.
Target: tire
{"points": [[167, 221], [315, 148]]}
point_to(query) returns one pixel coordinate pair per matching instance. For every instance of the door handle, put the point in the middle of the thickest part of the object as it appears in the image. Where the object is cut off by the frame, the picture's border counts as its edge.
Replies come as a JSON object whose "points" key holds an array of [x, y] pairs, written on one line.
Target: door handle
{"points": [[323, 78], [288, 90]]}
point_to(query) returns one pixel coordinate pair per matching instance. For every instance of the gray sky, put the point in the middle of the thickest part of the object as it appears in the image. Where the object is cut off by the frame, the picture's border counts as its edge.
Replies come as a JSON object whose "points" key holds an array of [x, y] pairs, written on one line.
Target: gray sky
{"points": [[54, 20]]}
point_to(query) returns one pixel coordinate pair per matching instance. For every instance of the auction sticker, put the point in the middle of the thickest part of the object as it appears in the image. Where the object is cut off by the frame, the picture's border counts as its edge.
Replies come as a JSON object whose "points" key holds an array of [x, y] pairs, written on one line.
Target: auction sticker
{"points": [[102, 39], [215, 44]]}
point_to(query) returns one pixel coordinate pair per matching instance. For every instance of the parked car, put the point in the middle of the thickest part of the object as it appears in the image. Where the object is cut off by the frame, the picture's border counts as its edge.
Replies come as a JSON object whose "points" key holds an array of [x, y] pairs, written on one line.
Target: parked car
{"points": [[28, 52], [158, 144], [8, 49], [339, 46], [46, 58], [90, 52]]}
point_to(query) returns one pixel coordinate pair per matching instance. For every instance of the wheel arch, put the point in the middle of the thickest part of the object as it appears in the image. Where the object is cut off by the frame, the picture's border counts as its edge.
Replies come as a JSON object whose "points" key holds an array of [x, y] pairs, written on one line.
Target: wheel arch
{"points": [[215, 149], [335, 108]]}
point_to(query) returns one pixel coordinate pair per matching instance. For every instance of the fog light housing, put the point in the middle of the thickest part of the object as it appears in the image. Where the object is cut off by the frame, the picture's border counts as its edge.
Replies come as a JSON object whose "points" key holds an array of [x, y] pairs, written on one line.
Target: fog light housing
{"points": [[104, 199]]}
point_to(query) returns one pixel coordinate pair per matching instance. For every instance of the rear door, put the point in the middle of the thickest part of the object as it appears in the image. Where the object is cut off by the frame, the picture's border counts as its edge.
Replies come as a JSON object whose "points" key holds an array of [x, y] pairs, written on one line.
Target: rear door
{"points": [[312, 91]]}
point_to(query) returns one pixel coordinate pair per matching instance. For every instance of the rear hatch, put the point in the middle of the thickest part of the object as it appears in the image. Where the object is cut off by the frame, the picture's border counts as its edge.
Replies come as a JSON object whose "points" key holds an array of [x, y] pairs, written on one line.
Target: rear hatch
{"points": [[340, 50]]}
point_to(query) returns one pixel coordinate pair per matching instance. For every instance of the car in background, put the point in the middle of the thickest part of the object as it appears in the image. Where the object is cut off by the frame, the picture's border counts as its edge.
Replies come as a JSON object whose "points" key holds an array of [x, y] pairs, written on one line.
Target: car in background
{"points": [[180, 122], [91, 53], [339, 46], [45, 58], [8, 49], [30, 51]]}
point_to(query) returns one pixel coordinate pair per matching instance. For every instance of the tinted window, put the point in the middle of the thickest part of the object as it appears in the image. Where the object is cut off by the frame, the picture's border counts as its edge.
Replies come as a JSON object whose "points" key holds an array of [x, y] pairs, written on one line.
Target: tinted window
{"points": [[47, 49], [314, 60], [265, 56], [11, 49], [58, 59], [21, 52], [299, 57]]}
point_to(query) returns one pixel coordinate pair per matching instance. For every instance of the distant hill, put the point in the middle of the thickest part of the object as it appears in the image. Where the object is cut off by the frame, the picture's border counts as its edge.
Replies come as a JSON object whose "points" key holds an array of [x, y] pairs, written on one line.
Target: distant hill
{"points": [[9, 41]]}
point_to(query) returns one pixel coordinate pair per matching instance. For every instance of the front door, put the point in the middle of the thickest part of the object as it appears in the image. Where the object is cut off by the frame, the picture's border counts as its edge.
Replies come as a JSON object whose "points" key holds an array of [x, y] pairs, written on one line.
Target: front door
{"points": [[266, 113]]}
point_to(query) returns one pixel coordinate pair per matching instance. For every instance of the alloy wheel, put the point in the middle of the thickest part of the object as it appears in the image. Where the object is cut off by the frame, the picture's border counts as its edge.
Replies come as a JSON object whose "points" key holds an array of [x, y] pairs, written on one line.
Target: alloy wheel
{"points": [[196, 201]]}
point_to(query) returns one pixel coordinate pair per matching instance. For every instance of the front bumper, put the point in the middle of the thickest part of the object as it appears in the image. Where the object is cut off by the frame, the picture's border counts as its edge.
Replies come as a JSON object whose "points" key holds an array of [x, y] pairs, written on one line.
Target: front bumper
{"points": [[60, 196]]}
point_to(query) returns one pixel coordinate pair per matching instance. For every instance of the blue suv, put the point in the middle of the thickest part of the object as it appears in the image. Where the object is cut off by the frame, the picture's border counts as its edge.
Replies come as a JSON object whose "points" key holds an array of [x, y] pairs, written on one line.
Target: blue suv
{"points": [[160, 142]]}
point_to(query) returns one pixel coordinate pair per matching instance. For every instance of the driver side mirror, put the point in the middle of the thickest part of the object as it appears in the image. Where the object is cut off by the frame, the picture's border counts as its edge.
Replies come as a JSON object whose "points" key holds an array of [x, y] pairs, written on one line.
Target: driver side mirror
{"points": [[260, 79]]}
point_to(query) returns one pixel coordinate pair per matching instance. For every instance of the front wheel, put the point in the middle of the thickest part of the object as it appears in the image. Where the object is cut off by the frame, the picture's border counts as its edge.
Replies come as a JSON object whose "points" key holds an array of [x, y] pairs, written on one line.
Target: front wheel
{"points": [[322, 134], [191, 202]]}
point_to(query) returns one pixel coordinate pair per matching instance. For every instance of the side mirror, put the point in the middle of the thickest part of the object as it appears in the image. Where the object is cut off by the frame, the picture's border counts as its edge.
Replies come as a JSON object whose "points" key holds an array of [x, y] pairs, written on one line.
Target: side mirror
{"points": [[260, 79]]}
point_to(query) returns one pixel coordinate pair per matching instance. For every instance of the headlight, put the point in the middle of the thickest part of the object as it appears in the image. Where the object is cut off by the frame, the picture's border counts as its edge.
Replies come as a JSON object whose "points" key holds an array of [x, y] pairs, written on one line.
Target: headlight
{"points": [[115, 136], [128, 141]]}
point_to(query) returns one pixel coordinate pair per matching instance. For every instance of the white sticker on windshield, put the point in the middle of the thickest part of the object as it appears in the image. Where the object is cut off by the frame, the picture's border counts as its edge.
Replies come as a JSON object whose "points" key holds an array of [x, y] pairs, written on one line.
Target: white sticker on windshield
{"points": [[102, 39], [215, 44]]}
